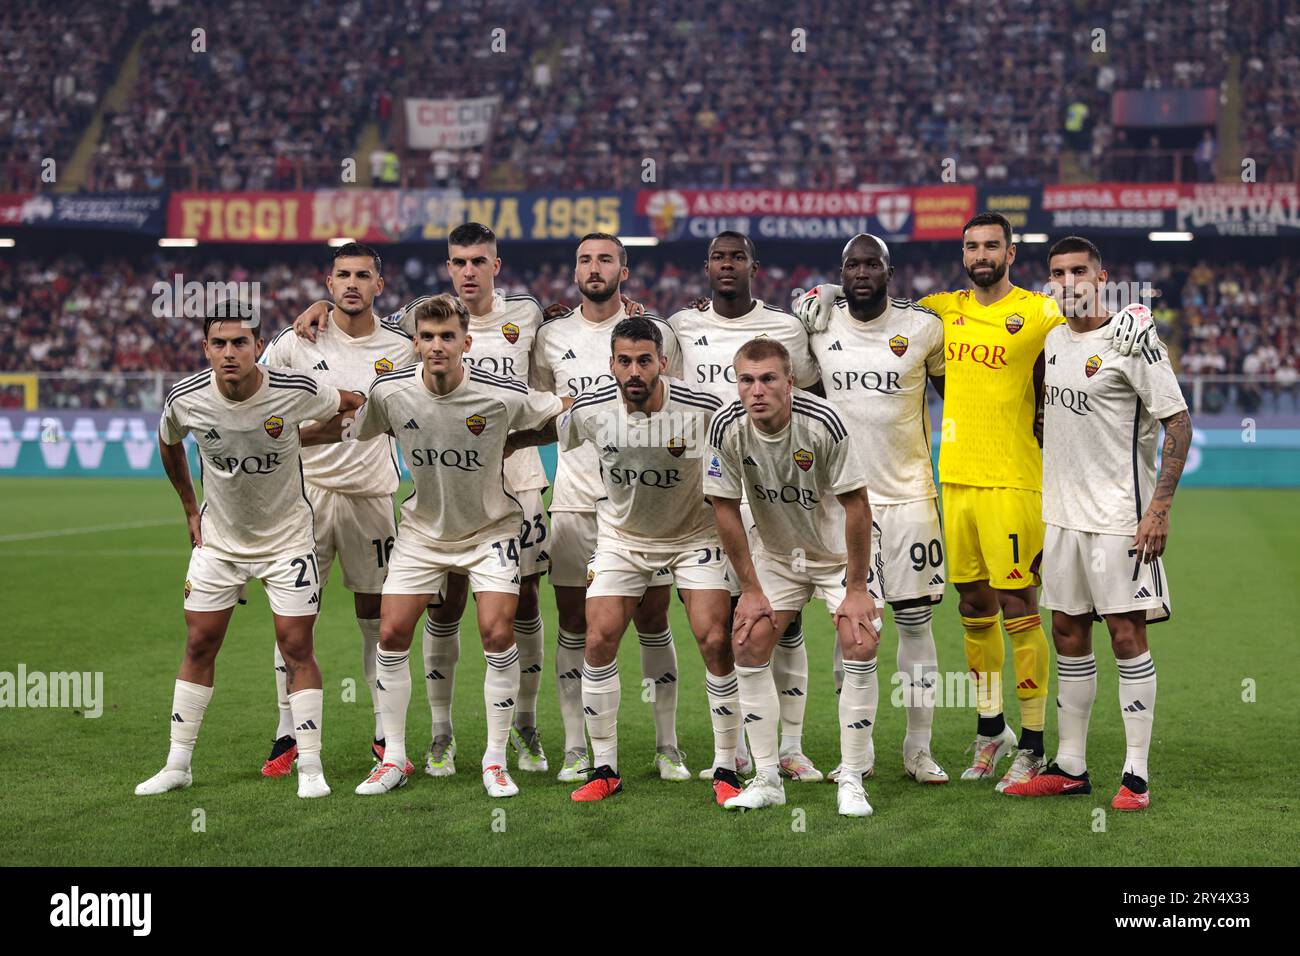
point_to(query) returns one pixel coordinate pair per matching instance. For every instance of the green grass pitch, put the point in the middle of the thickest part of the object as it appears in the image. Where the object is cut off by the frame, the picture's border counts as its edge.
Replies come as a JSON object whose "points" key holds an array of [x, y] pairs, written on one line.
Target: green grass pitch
{"points": [[1223, 769]]}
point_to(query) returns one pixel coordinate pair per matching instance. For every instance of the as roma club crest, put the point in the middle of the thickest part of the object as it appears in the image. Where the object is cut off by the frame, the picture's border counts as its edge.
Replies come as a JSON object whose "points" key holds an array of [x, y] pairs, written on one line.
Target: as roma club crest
{"points": [[676, 447], [591, 576], [804, 459], [383, 365], [511, 332], [476, 424], [898, 345], [1090, 367], [1015, 323], [188, 588], [274, 426]]}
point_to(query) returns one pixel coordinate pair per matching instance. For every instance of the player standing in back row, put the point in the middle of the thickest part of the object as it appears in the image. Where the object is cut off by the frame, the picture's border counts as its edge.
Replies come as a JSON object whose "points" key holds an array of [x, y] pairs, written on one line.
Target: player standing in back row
{"points": [[876, 356], [571, 356], [709, 337], [1107, 516], [350, 486]]}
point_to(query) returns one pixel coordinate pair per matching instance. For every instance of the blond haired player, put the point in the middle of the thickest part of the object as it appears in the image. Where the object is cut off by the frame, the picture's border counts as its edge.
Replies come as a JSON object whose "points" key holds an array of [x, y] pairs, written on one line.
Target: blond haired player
{"points": [[807, 488], [990, 469], [1107, 516], [455, 421], [504, 328]]}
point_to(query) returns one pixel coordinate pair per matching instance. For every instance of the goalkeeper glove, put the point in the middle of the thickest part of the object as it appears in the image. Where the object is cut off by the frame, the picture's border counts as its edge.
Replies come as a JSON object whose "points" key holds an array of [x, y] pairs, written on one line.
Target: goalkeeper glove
{"points": [[1134, 328], [813, 308]]}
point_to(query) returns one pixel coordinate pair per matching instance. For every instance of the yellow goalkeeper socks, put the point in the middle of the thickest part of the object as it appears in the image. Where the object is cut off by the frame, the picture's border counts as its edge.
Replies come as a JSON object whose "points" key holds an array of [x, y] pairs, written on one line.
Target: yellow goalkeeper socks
{"points": [[984, 656], [1030, 659]]}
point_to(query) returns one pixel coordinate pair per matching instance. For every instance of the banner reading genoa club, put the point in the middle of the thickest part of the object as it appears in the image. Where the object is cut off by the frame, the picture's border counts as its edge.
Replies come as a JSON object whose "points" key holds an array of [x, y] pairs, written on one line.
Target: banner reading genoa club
{"points": [[1204, 209], [897, 214], [449, 124]]}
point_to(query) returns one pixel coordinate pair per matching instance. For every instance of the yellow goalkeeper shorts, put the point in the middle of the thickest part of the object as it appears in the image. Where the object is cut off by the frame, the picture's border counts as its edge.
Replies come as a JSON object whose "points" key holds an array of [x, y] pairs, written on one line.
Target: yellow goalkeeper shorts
{"points": [[993, 534]]}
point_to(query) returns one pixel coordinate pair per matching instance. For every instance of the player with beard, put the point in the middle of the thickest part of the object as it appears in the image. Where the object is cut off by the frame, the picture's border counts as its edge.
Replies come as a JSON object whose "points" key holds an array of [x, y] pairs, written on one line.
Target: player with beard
{"points": [[350, 486], [710, 335], [571, 356], [504, 328], [876, 356]]}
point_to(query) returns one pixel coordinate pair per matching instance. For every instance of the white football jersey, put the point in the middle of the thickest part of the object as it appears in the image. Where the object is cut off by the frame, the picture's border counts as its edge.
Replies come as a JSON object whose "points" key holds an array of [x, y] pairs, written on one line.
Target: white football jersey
{"points": [[502, 343], [254, 504], [709, 343], [1101, 429], [791, 478], [453, 446], [571, 356], [365, 469], [875, 374], [650, 467]]}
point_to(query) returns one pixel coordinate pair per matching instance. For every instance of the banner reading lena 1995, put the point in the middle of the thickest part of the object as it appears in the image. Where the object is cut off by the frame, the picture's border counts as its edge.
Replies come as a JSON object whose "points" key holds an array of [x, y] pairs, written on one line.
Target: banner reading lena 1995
{"points": [[393, 215]]}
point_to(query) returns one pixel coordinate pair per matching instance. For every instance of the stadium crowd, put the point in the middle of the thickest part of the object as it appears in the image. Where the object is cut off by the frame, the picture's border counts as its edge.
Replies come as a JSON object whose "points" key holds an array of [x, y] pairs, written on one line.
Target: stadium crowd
{"points": [[67, 315], [281, 90]]}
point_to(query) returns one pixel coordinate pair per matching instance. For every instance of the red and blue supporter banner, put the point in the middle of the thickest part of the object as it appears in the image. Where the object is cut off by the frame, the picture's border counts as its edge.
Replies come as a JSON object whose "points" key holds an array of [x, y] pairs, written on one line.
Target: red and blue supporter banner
{"points": [[896, 213]]}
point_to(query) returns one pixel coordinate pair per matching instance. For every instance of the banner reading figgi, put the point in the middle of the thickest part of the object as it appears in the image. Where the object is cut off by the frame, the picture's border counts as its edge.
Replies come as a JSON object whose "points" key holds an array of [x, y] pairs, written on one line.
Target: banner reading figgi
{"points": [[392, 215]]}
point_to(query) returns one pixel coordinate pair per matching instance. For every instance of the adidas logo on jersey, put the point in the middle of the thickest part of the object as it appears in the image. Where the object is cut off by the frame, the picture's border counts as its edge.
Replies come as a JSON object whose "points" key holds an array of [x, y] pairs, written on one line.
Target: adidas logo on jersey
{"points": [[411, 424], [321, 366], [211, 435], [568, 355], [315, 599], [1144, 593], [836, 347], [702, 340], [937, 579], [662, 572], [1052, 360], [1015, 575], [750, 461], [610, 449], [960, 320]]}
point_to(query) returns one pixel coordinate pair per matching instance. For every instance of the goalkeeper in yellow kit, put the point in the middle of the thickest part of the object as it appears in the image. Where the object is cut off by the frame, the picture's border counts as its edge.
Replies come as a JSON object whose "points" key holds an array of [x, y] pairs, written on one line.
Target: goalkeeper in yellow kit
{"points": [[990, 470]]}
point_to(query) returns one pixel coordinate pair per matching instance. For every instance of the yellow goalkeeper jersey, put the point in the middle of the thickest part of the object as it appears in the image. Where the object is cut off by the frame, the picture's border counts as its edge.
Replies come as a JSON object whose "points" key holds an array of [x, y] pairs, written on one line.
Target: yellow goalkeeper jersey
{"points": [[987, 438]]}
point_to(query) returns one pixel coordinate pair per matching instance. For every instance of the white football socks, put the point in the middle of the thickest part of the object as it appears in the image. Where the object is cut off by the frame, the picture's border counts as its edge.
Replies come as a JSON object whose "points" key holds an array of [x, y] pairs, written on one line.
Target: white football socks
{"points": [[790, 674], [569, 653], [530, 638], [369, 627], [601, 695], [918, 662], [441, 652], [500, 688], [858, 702], [308, 707], [393, 684], [761, 707], [1076, 689], [284, 724], [1137, 702], [659, 665], [724, 711], [189, 702]]}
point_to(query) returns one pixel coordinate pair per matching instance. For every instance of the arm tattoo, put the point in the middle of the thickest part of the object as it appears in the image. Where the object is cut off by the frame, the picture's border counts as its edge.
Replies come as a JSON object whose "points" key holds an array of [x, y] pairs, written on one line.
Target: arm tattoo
{"points": [[1178, 440]]}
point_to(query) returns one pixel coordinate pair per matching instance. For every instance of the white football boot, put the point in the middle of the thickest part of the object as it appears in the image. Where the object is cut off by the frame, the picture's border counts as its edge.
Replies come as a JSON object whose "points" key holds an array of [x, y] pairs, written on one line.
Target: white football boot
{"points": [[796, 766], [576, 765], [385, 778], [311, 782], [497, 782], [851, 798], [763, 790], [921, 767], [163, 781], [988, 751], [671, 764], [440, 761]]}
